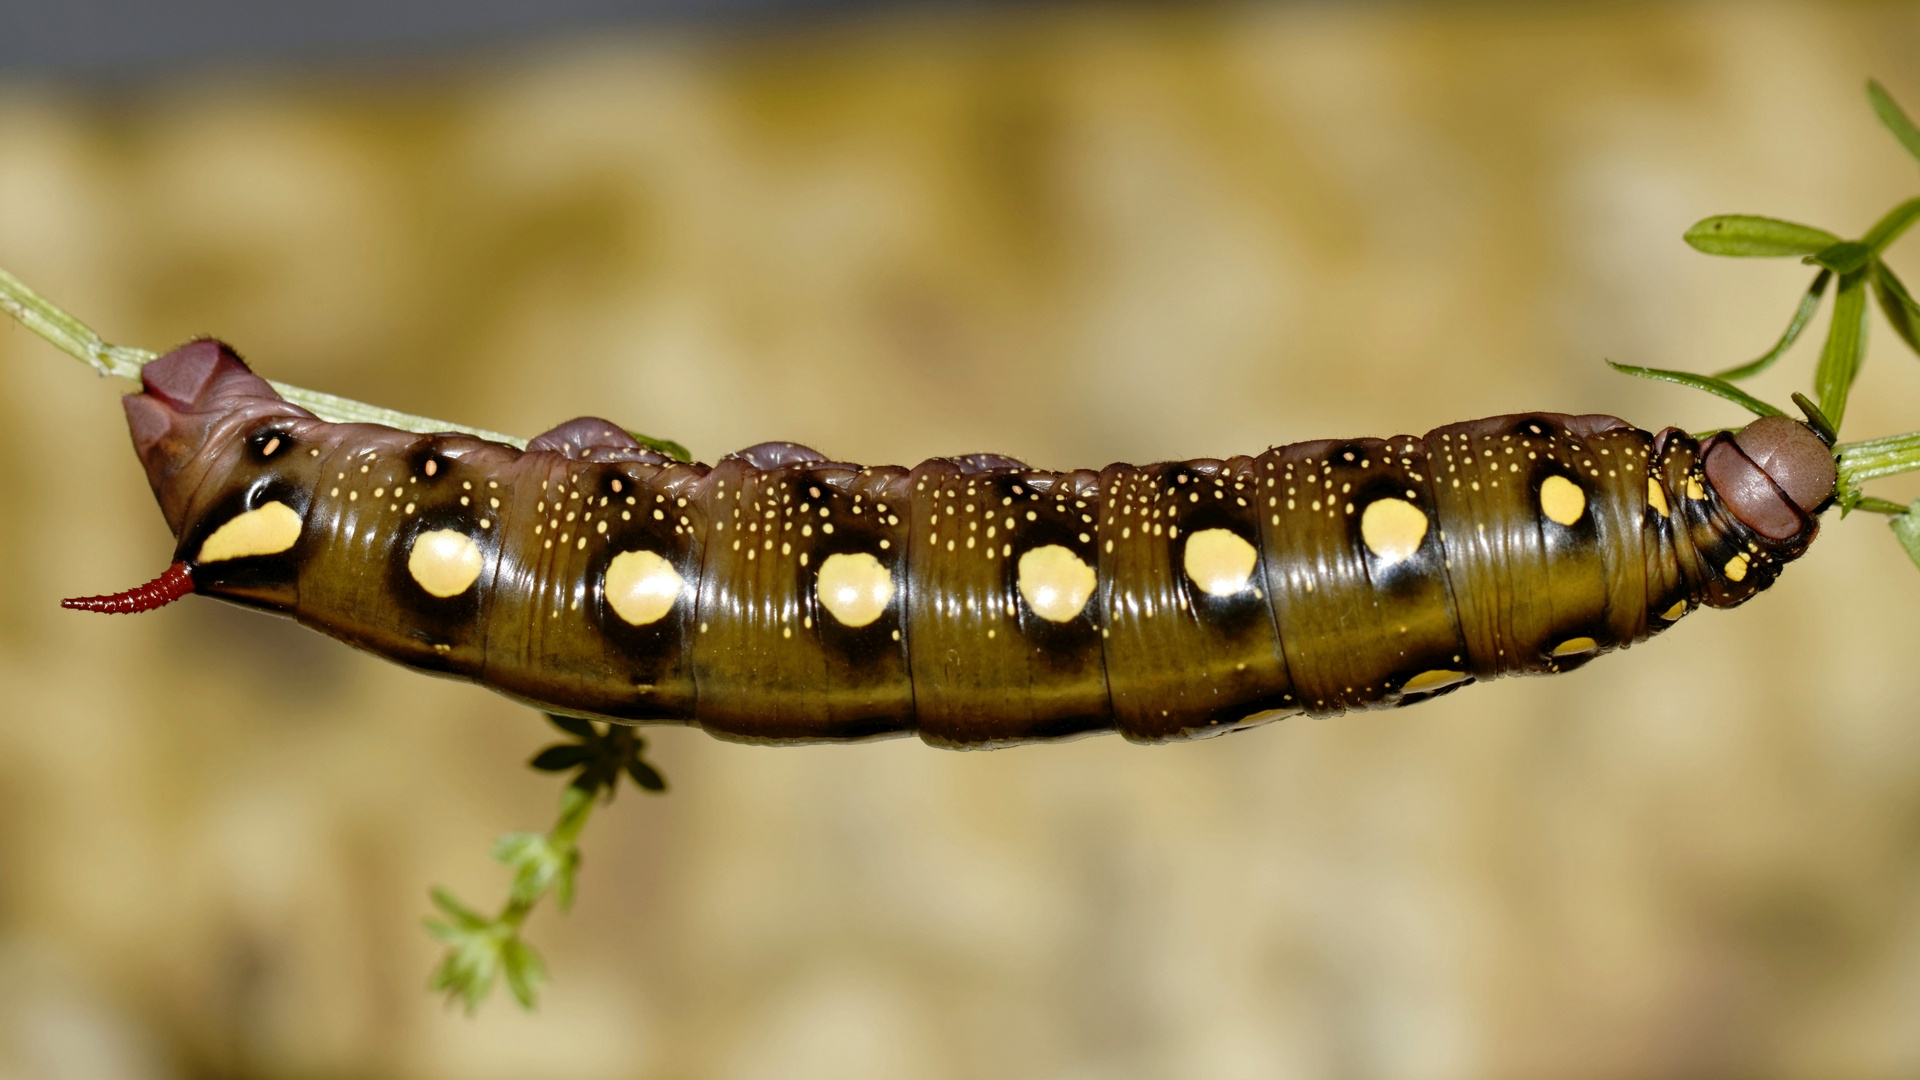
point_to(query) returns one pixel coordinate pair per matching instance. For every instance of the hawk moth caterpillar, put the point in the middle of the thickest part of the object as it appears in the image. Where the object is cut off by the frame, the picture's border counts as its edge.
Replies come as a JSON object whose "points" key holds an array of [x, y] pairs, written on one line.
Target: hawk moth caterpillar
{"points": [[780, 597]]}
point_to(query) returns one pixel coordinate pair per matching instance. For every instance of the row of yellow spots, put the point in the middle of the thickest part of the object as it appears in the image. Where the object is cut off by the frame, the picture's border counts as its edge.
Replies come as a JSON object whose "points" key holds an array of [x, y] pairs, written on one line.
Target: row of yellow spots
{"points": [[274, 443], [566, 519], [1218, 561], [380, 491], [1440, 678], [1318, 488], [855, 588], [643, 586], [640, 586], [444, 562], [1055, 582], [1735, 569], [1454, 452], [1148, 499], [1392, 528], [974, 507], [1657, 501]]}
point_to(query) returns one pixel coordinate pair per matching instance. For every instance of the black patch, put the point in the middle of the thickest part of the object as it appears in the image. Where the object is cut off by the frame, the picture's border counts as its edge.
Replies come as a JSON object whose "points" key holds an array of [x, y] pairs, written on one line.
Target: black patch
{"points": [[260, 580]]}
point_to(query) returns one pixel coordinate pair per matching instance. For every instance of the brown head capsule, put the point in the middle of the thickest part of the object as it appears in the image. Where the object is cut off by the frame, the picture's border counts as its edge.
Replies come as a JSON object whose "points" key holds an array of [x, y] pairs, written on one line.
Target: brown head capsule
{"points": [[1772, 475]]}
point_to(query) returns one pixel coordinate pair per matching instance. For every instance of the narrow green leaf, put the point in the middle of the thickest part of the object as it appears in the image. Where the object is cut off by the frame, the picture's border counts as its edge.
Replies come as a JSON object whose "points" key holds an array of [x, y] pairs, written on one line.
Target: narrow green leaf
{"points": [[1816, 419], [1894, 117], [1888, 228], [477, 979], [1844, 257], [1718, 387], [512, 848], [1897, 304], [525, 973], [573, 725], [1749, 236], [1878, 506], [1906, 529], [1809, 303], [646, 776], [561, 757], [444, 933], [563, 880], [1846, 344], [462, 915]]}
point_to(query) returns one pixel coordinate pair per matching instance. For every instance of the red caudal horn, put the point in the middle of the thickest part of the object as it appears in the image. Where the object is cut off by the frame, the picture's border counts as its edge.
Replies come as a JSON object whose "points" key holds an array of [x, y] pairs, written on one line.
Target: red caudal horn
{"points": [[158, 593]]}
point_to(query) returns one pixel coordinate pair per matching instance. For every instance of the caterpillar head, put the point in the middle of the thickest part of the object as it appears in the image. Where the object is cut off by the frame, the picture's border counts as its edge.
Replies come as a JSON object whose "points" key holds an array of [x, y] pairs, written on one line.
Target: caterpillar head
{"points": [[1772, 475]]}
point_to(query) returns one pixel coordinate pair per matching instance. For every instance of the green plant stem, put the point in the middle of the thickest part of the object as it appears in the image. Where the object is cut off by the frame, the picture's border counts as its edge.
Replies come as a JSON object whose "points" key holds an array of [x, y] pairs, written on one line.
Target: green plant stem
{"points": [[576, 806], [1874, 459], [1888, 228], [74, 337]]}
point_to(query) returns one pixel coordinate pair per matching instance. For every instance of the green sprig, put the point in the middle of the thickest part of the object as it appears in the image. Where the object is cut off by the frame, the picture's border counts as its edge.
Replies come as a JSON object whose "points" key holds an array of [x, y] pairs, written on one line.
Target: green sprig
{"points": [[1858, 266], [482, 949]]}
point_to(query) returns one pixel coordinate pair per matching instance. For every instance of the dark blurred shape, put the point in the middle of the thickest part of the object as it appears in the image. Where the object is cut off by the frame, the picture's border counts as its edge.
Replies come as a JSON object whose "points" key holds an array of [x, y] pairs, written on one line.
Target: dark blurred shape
{"points": [[131, 38]]}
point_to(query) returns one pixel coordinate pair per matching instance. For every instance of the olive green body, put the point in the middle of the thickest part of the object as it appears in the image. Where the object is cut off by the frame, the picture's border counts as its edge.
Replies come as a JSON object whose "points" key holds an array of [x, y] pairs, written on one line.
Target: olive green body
{"points": [[1293, 596]]}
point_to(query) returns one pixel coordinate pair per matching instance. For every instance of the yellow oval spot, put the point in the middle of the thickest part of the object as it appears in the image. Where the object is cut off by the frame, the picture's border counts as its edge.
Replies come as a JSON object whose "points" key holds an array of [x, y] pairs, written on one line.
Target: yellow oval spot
{"points": [[1657, 496], [1393, 528], [269, 530], [1674, 612], [1575, 646], [1737, 567], [1432, 680], [1219, 561], [1562, 500], [854, 588], [642, 587], [444, 562], [1055, 583]]}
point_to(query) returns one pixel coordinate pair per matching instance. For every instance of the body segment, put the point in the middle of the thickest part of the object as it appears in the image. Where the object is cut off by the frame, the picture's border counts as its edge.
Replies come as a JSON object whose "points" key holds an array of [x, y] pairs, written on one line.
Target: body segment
{"points": [[781, 597]]}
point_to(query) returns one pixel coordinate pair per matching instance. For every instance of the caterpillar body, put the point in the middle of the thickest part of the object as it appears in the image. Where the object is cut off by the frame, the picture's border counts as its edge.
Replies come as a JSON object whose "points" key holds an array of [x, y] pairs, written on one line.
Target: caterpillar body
{"points": [[781, 597]]}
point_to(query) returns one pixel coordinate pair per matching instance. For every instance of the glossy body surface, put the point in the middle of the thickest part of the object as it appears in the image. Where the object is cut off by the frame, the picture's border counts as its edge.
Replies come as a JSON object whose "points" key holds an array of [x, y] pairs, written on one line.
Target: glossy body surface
{"points": [[781, 597]]}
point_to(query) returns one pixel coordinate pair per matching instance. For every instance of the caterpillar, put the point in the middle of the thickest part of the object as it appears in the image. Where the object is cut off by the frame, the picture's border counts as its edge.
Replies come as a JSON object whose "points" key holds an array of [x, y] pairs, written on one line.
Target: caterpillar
{"points": [[778, 596]]}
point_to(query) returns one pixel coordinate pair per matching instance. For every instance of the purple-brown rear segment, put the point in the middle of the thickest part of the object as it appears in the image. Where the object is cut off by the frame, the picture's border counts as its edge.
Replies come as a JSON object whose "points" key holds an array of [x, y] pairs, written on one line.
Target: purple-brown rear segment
{"points": [[1164, 601]]}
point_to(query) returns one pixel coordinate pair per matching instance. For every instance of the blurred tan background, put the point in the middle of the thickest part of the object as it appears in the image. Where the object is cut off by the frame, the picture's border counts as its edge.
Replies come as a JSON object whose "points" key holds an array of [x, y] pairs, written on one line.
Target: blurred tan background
{"points": [[1075, 234]]}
